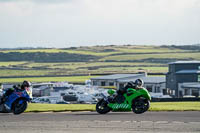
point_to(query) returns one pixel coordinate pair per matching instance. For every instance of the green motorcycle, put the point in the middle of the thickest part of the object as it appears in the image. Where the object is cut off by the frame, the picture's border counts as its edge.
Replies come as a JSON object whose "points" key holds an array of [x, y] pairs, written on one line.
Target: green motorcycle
{"points": [[137, 100]]}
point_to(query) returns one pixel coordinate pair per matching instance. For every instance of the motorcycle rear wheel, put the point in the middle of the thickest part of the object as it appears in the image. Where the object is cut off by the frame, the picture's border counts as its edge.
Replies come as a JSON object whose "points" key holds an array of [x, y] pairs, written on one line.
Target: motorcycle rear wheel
{"points": [[3, 109], [140, 105], [101, 107]]}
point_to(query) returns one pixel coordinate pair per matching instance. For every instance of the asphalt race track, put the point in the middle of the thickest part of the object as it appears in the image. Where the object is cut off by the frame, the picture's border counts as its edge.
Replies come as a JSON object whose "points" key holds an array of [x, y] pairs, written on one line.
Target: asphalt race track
{"points": [[113, 122]]}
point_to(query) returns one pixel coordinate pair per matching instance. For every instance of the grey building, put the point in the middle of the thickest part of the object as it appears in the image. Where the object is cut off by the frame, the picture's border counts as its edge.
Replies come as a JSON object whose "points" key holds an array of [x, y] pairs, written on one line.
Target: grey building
{"points": [[153, 84], [114, 80], [42, 89], [189, 89], [180, 72]]}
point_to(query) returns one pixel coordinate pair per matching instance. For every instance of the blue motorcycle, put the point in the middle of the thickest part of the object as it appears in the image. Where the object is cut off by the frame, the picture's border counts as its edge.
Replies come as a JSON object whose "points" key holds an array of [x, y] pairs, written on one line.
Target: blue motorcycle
{"points": [[16, 102]]}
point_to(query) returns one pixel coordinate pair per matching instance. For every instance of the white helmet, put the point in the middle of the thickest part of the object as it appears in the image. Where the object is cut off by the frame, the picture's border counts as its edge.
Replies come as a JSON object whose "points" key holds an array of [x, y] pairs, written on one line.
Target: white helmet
{"points": [[139, 82]]}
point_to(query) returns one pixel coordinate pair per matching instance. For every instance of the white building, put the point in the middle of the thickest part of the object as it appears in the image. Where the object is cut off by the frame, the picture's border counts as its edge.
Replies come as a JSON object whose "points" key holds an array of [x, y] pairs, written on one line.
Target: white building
{"points": [[154, 84]]}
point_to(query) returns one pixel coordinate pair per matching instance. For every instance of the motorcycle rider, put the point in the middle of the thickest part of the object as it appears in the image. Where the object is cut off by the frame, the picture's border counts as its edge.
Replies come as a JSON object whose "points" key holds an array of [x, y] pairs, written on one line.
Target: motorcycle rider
{"points": [[135, 85], [25, 85], [138, 84], [9, 91]]}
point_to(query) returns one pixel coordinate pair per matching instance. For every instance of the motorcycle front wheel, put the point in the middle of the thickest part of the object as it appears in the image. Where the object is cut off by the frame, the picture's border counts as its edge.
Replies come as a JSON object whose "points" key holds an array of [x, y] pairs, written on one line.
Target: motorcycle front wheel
{"points": [[140, 105], [101, 107], [19, 106]]}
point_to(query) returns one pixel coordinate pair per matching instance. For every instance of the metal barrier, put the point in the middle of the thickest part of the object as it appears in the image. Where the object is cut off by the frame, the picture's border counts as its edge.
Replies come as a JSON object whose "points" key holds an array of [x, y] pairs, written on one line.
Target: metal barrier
{"points": [[174, 99]]}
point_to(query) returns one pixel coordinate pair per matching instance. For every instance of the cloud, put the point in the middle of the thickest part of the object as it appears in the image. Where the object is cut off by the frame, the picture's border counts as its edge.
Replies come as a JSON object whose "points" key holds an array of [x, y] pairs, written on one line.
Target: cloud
{"points": [[84, 22], [39, 1]]}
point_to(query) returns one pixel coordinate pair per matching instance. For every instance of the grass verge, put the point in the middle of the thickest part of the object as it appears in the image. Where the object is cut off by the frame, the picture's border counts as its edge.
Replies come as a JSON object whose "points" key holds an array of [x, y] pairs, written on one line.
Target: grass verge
{"points": [[175, 106], [37, 107], [155, 106]]}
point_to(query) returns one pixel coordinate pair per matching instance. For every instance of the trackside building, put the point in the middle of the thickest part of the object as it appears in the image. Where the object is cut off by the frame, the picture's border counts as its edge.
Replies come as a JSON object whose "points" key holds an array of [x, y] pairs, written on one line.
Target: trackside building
{"points": [[153, 84], [184, 78]]}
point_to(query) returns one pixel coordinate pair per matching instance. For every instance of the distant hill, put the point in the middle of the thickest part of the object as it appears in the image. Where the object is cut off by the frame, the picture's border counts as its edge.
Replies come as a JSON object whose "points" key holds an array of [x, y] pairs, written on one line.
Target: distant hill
{"points": [[111, 53], [195, 47], [93, 59], [45, 57]]}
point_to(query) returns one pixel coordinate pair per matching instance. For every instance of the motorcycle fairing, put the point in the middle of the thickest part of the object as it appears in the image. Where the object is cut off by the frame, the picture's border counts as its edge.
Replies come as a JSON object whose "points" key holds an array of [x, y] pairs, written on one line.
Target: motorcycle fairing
{"points": [[129, 97], [14, 96]]}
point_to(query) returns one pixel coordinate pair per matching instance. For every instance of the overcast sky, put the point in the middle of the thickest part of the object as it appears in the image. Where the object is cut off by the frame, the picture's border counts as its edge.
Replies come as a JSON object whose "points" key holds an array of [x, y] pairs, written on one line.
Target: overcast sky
{"points": [[66, 23]]}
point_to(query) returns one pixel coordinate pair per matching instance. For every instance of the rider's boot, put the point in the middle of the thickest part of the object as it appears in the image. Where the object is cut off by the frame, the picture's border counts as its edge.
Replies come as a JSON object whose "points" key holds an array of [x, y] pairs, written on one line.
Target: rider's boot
{"points": [[111, 99]]}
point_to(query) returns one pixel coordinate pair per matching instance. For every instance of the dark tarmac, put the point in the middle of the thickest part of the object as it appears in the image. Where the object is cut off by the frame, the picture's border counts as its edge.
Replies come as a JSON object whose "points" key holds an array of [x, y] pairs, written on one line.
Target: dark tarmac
{"points": [[113, 122]]}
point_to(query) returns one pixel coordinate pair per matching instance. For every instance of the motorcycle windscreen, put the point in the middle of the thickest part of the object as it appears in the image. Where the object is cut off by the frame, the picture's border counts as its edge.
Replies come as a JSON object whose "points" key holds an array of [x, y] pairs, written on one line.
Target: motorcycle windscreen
{"points": [[29, 91]]}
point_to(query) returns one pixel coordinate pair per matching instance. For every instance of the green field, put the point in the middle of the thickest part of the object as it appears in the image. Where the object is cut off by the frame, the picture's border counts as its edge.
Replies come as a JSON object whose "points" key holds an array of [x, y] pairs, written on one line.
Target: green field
{"points": [[104, 59], [70, 68], [101, 50], [153, 56], [155, 106], [71, 79]]}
